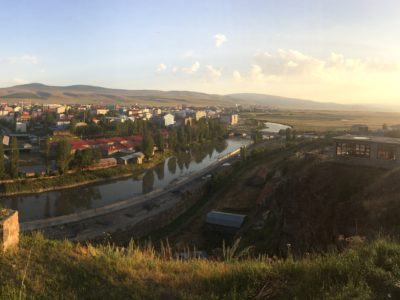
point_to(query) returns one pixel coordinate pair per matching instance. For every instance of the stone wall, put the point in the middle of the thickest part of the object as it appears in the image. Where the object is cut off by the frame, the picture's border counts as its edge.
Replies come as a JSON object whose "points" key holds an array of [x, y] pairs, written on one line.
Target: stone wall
{"points": [[9, 229]]}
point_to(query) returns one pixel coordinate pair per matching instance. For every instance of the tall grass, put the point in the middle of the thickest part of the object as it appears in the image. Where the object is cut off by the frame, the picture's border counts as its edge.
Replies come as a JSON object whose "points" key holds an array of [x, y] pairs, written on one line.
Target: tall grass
{"points": [[62, 270]]}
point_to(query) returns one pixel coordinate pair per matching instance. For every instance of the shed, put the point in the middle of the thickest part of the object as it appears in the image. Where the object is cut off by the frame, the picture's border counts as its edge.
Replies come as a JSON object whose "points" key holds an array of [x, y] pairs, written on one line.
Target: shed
{"points": [[222, 221], [137, 158], [31, 171]]}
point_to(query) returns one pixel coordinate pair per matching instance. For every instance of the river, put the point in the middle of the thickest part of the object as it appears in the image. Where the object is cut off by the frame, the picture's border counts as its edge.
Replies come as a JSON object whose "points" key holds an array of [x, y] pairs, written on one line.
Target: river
{"points": [[62, 202], [274, 127]]}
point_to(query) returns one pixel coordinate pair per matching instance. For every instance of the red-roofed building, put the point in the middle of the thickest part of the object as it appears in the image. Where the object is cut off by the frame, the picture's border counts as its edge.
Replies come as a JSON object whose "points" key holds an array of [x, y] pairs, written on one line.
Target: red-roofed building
{"points": [[78, 145]]}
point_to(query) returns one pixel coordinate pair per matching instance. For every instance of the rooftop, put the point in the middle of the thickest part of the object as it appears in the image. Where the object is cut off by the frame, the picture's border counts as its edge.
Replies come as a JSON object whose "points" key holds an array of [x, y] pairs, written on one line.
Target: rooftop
{"points": [[371, 139], [225, 219]]}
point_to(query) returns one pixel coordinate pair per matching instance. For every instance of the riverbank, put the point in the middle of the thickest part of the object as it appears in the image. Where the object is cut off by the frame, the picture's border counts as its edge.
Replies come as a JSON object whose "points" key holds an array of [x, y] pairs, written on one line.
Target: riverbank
{"points": [[66, 181]]}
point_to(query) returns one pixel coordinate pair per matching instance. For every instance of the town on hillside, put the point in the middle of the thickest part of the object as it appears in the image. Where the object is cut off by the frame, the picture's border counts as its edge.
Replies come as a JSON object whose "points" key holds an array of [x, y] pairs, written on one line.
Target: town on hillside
{"points": [[50, 139]]}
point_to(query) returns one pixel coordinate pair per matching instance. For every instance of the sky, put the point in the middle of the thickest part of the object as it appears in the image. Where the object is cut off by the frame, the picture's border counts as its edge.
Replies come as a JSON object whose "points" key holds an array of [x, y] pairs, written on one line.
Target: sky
{"points": [[346, 51]]}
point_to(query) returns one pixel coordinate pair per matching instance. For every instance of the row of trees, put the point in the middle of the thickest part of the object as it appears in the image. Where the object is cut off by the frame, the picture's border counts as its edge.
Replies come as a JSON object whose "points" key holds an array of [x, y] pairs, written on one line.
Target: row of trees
{"points": [[110, 128], [9, 169], [65, 161], [181, 138]]}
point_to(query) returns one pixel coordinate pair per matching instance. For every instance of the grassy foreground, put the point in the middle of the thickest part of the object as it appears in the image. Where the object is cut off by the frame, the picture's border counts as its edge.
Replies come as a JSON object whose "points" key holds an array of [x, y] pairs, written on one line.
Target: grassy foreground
{"points": [[44, 269]]}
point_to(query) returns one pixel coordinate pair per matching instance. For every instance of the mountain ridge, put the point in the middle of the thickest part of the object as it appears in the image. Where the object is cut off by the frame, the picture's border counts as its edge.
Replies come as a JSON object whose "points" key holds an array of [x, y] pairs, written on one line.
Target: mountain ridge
{"points": [[88, 94]]}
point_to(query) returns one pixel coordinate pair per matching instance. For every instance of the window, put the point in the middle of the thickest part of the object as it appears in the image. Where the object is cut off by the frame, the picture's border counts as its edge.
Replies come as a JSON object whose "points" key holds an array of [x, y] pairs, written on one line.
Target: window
{"points": [[353, 149], [386, 152]]}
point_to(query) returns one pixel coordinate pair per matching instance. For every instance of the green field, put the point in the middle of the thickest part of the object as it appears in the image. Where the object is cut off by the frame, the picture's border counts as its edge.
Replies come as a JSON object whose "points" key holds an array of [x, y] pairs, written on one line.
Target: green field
{"points": [[311, 120]]}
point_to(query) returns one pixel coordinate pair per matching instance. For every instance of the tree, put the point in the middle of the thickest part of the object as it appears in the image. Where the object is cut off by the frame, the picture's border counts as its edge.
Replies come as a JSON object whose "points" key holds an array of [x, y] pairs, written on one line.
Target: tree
{"points": [[243, 153], [63, 155], [46, 151], [14, 158], [289, 135], [49, 119], [2, 168], [172, 139], [85, 158], [72, 125], [182, 141], [160, 141], [385, 127], [148, 145], [256, 136]]}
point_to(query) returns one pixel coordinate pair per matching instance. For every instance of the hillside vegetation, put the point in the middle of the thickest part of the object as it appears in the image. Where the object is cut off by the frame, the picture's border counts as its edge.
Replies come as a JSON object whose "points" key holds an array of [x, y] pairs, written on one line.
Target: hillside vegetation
{"points": [[321, 200], [44, 269]]}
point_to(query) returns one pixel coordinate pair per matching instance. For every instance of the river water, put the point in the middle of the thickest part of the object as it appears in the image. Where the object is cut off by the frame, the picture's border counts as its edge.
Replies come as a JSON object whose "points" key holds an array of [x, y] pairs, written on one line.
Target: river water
{"points": [[62, 202], [274, 127]]}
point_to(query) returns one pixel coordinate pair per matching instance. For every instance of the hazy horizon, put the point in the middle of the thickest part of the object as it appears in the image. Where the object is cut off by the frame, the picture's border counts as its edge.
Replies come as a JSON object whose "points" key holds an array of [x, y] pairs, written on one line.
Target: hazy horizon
{"points": [[344, 52]]}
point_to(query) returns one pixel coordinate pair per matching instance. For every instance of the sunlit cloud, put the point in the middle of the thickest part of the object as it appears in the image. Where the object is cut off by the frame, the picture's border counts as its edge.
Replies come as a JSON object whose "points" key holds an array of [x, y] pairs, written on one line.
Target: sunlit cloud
{"points": [[334, 77], [256, 73], [161, 67], [237, 76], [288, 62], [220, 39], [213, 72], [192, 69]]}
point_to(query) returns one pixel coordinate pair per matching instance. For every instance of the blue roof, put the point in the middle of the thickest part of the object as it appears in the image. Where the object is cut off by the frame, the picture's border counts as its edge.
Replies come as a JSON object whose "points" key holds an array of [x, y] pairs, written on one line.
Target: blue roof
{"points": [[225, 219]]}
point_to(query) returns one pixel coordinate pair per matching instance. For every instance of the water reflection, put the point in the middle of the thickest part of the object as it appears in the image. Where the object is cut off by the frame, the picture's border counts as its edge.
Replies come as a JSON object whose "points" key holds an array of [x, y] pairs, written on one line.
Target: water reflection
{"points": [[56, 203], [148, 182], [171, 163], [159, 169], [70, 201]]}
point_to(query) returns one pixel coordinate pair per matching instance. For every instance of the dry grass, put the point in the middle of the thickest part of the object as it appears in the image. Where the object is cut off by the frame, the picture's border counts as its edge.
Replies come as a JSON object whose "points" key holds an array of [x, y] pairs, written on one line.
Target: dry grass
{"points": [[311, 120], [62, 270]]}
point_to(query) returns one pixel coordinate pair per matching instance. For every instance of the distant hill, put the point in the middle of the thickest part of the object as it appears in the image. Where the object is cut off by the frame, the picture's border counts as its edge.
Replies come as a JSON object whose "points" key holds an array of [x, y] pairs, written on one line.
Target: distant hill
{"points": [[285, 102], [40, 93]]}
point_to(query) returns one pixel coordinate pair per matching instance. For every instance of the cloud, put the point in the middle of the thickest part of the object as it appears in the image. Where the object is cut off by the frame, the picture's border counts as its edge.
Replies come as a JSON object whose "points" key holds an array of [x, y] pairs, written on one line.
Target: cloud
{"points": [[219, 39], [161, 67], [237, 76], [23, 59], [256, 73], [293, 63], [192, 69], [20, 81], [213, 72]]}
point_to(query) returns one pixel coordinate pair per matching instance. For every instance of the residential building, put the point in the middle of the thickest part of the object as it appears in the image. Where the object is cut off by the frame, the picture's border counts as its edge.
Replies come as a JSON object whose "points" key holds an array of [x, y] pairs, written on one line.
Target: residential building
{"points": [[61, 109], [229, 118], [368, 150], [20, 127], [200, 114], [99, 111], [136, 158], [359, 129]]}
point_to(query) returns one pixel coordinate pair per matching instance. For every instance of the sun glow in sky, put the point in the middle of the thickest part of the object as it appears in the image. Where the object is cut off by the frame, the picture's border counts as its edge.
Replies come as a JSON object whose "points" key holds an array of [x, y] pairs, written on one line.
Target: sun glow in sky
{"points": [[345, 51]]}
